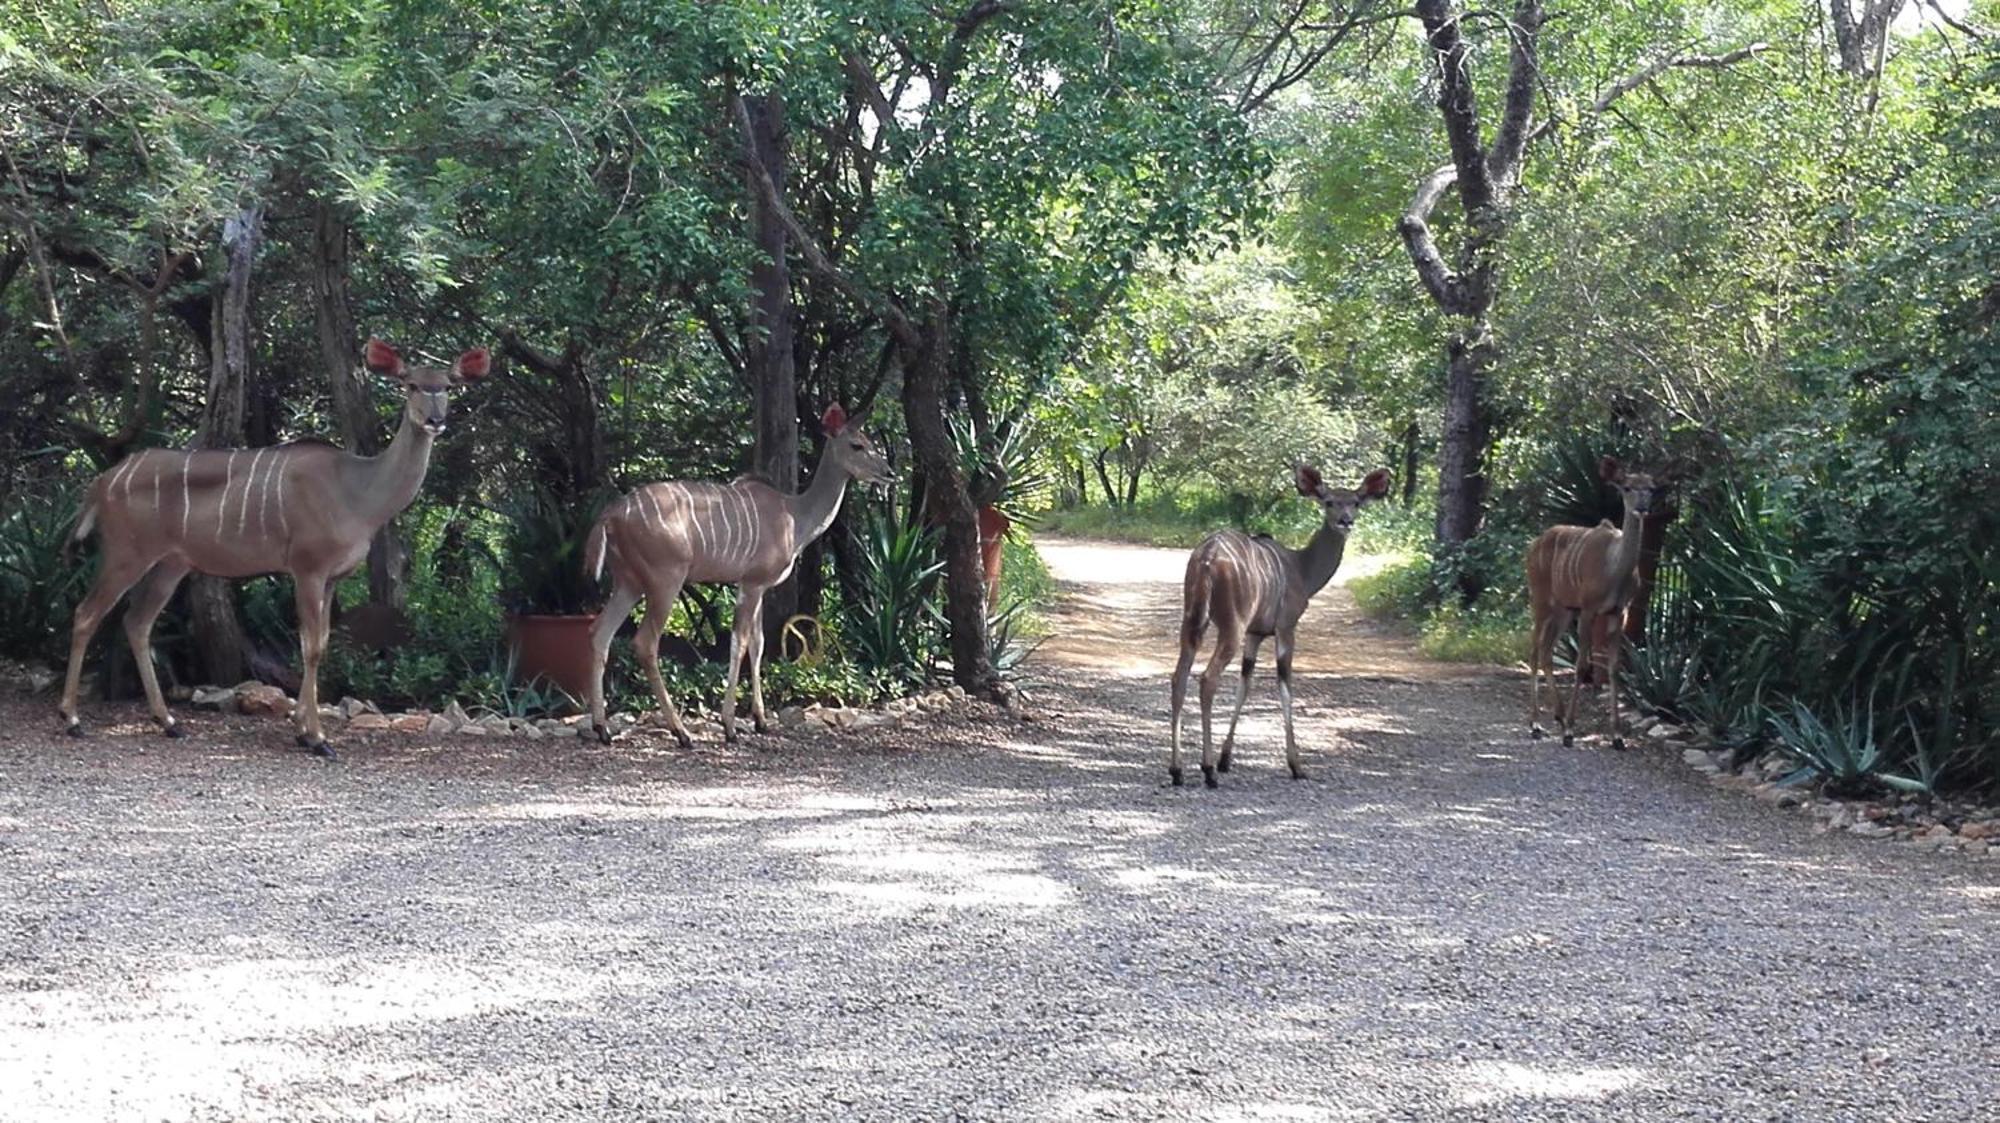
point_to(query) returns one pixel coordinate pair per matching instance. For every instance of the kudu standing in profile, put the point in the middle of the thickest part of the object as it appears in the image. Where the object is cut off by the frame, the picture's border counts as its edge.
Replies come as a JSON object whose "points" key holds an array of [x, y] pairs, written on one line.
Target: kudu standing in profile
{"points": [[1250, 587], [746, 533], [1585, 573], [305, 508]]}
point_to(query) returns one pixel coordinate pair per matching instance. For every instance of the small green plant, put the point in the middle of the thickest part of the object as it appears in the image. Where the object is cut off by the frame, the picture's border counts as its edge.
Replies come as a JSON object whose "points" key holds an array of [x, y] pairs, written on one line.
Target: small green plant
{"points": [[1843, 752], [40, 580], [896, 629]]}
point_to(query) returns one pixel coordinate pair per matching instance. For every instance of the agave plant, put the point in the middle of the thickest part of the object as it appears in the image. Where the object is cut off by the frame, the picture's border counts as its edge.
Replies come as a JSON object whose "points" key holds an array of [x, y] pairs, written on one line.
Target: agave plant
{"points": [[1844, 751], [895, 628]]}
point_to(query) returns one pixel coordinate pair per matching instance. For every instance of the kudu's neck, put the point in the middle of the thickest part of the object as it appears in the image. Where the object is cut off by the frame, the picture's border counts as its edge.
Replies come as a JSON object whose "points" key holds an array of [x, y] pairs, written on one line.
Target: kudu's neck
{"points": [[386, 483], [814, 509], [1625, 555], [1321, 557]]}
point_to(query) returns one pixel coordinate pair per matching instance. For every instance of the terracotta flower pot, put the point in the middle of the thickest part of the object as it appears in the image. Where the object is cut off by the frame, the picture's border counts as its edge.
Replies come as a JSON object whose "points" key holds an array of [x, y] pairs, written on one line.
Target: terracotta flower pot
{"points": [[556, 648], [992, 534]]}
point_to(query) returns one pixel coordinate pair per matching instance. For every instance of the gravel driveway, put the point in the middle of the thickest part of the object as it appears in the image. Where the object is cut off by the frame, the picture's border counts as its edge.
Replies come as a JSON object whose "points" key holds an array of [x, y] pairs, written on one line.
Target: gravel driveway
{"points": [[974, 917]]}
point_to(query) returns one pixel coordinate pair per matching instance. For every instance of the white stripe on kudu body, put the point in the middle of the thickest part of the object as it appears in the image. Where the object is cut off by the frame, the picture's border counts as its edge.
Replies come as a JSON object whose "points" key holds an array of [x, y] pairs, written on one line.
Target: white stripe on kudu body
{"points": [[746, 533], [342, 499], [1252, 589]]}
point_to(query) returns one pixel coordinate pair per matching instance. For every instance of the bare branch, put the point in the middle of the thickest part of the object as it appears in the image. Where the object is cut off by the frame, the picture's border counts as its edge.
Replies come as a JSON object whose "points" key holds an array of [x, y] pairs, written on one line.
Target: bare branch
{"points": [[1454, 293], [1523, 68], [1458, 104], [816, 260]]}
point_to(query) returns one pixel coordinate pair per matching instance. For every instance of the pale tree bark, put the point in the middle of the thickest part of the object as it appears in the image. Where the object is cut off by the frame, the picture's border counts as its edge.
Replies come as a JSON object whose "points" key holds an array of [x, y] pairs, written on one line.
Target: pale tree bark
{"points": [[1861, 33], [221, 649], [354, 415]]}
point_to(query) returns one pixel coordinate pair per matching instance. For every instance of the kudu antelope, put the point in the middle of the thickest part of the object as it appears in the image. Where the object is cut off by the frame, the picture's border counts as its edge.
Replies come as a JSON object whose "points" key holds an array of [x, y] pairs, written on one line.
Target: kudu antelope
{"points": [[1584, 574], [304, 508], [745, 533], [1250, 588]]}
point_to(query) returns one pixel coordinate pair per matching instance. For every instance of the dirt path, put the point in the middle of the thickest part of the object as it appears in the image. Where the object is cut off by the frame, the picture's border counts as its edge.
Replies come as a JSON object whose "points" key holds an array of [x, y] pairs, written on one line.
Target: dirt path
{"points": [[973, 918]]}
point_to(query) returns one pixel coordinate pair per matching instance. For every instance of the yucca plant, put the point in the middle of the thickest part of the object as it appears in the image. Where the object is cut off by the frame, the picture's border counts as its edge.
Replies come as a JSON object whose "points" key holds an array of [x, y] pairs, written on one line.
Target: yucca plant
{"points": [[895, 630], [1004, 648], [40, 580]]}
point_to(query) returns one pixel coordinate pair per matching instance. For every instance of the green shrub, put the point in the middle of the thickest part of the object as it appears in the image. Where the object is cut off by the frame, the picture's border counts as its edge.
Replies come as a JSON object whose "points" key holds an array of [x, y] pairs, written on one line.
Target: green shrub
{"points": [[1402, 591], [1487, 634], [40, 581]]}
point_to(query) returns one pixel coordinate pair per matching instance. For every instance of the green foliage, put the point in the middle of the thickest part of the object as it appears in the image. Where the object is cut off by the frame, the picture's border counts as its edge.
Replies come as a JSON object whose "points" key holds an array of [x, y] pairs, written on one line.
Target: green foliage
{"points": [[895, 629], [42, 577], [1842, 751], [542, 554]]}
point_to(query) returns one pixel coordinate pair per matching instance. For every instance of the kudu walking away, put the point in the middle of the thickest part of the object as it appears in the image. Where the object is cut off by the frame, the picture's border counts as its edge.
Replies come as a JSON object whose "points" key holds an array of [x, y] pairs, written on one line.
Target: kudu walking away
{"points": [[305, 508], [1251, 588], [747, 532], [1578, 575]]}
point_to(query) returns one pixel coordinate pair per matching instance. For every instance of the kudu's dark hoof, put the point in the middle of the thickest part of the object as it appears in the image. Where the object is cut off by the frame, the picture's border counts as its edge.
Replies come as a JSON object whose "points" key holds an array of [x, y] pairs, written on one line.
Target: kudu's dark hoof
{"points": [[1208, 777], [317, 747], [683, 740], [1618, 743], [1298, 773], [173, 730], [1180, 779], [603, 733], [1536, 733], [1222, 764], [1569, 740], [74, 729]]}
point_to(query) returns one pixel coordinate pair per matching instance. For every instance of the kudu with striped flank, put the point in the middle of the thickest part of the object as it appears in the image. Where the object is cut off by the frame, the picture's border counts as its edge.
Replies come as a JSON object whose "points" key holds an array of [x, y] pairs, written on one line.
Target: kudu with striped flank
{"points": [[746, 533], [1579, 575], [1250, 588], [305, 508]]}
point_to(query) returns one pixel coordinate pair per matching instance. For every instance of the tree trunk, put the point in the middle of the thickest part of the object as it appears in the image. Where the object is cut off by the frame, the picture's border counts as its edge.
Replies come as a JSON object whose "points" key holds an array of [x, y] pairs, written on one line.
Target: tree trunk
{"points": [[948, 504], [1411, 434], [354, 412], [771, 356], [1462, 480], [1104, 480], [221, 648]]}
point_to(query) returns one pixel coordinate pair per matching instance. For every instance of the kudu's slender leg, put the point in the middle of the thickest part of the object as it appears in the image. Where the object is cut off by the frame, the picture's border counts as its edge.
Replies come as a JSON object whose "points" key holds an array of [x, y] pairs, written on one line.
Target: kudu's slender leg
{"points": [[1242, 696], [1583, 657], [1182, 670], [616, 609], [757, 719], [749, 606], [314, 595], [659, 602], [1227, 642], [1535, 677], [1616, 645], [1286, 641], [154, 591], [115, 575]]}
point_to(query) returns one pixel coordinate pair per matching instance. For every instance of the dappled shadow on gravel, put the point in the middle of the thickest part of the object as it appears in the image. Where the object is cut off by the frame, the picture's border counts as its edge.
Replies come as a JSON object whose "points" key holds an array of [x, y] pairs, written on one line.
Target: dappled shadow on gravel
{"points": [[974, 916]]}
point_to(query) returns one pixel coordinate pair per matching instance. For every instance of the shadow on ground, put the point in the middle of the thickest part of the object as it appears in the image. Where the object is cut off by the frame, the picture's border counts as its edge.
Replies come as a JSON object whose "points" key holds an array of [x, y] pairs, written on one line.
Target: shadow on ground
{"points": [[974, 917]]}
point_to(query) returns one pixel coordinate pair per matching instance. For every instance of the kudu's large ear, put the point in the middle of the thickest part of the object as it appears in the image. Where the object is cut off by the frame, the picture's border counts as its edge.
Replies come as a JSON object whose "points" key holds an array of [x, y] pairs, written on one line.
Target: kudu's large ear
{"points": [[471, 366], [1307, 479], [833, 420], [1608, 469], [382, 359], [1375, 484]]}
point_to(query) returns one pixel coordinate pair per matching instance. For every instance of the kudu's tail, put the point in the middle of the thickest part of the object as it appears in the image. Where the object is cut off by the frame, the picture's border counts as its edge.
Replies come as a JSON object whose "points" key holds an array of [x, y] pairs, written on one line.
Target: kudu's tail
{"points": [[1194, 598], [596, 546], [86, 522]]}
